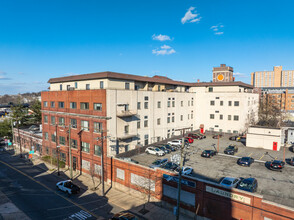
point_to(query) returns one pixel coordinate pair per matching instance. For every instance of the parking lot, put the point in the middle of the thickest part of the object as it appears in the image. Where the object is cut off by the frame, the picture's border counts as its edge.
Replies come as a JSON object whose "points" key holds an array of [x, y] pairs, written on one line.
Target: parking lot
{"points": [[273, 185]]}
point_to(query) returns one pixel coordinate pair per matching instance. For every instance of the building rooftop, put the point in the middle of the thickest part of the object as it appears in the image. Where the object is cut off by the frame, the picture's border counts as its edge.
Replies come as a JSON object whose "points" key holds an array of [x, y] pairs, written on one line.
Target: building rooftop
{"points": [[154, 79]]}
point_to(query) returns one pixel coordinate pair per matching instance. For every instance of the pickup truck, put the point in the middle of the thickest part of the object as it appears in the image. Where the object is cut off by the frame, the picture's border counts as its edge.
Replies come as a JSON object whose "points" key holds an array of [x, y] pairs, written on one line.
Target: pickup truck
{"points": [[68, 187]]}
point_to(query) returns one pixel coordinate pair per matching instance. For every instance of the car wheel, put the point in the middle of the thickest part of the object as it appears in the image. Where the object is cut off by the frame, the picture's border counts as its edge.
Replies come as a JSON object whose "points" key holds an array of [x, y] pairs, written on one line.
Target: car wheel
{"points": [[68, 194], [57, 187], [147, 152], [157, 154]]}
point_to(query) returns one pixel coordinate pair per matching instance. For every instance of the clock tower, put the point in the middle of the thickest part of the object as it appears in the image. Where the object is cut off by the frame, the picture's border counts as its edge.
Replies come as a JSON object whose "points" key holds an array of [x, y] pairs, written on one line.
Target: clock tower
{"points": [[223, 73]]}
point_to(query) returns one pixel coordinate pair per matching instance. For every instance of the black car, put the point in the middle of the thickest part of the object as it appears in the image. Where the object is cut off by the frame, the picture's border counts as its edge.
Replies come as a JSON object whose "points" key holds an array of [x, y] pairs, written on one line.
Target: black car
{"points": [[170, 166], [245, 161], [248, 184], [169, 147], [277, 165], [291, 161], [208, 153], [217, 136], [231, 150]]}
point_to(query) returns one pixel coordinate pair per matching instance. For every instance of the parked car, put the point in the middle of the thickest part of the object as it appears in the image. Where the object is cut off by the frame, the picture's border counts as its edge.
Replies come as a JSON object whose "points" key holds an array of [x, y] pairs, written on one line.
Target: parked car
{"points": [[245, 161], [170, 166], [176, 142], [186, 170], [291, 161], [190, 140], [202, 135], [216, 136], [208, 153], [231, 150], [195, 136], [68, 187], [230, 182], [155, 151], [277, 165], [164, 149], [159, 162], [233, 138], [248, 184], [124, 216], [170, 147]]}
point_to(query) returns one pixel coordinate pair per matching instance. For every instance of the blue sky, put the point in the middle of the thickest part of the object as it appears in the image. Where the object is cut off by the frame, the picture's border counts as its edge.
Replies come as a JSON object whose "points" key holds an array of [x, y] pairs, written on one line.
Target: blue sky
{"points": [[180, 39]]}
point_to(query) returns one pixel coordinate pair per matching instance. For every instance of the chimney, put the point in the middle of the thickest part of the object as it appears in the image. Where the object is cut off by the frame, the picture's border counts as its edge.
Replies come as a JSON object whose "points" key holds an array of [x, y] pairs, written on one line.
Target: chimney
{"points": [[223, 65]]}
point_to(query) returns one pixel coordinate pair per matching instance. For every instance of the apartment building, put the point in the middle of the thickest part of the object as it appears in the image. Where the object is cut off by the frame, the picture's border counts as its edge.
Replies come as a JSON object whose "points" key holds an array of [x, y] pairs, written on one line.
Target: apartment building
{"points": [[276, 78], [134, 110]]}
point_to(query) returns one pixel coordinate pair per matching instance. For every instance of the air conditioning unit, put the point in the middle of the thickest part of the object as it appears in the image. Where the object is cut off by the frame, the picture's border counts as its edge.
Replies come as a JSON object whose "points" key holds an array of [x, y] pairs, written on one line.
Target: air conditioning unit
{"points": [[71, 88]]}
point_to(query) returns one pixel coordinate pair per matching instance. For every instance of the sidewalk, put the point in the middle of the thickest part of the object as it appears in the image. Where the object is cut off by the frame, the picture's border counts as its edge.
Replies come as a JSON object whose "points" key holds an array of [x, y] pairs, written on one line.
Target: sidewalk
{"points": [[116, 197]]}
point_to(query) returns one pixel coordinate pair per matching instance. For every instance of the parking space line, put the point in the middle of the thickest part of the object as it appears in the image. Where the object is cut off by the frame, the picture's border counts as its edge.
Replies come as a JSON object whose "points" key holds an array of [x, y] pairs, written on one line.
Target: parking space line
{"points": [[261, 157], [276, 158], [238, 152], [250, 154]]}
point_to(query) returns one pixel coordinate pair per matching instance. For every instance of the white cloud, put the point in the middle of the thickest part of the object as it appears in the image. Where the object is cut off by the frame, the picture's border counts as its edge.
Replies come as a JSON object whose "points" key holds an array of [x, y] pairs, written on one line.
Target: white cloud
{"points": [[164, 50], [217, 29], [241, 75], [3, 76], [191, 16], [160, 37]]}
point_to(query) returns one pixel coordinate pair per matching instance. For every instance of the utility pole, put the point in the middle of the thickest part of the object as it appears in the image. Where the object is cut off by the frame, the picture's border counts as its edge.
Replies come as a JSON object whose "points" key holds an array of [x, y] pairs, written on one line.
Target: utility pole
{"points": [[57, 147], [12, 133], [102, 163], [69, 144], [218, 143], [180, 171]]}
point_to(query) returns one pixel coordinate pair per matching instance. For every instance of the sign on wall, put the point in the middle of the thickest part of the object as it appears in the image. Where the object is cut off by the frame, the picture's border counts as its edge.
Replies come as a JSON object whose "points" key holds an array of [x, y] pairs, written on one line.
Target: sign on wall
{"points": [[142, 182], [120, 174], [229, 195], [86, 165]]}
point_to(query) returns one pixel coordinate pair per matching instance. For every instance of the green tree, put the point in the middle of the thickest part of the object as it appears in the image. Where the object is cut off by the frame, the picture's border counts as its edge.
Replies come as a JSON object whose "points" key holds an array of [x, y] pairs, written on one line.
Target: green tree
{"points": [[19, 114], [5, 128], [37, 114]]}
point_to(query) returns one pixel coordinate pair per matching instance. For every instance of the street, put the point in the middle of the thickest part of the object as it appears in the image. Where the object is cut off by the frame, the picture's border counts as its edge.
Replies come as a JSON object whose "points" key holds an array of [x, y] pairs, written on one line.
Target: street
{"points": [[34, 192]]}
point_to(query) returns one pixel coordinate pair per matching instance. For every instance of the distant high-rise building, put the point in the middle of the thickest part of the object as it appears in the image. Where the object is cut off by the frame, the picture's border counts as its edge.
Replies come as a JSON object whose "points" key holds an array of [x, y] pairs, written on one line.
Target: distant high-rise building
{"points": [[223, 73], [275, 78]]}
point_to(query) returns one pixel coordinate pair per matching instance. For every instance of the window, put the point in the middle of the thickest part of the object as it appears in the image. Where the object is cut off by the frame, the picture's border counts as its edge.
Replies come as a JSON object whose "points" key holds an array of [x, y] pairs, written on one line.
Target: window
{"points": [[211, 102], [146, 137], [52, 104], [146, 98], [97, 107], [73, 123], [60, 87], [235, 132], [173, 119], [236, 103], [53, 120], [45, 104], [46, 135], [211, 116], [168, 119], [68, 87], [97, 127], [127, 85], [45, 118], [126, 129], [159, 88], [101, 85], [138, 124], [173, 103], [182, 103], [138, 105], [221, 103], [188, 103], [60, 104], [74, 143], [216, 111], [236, 117], [145, 105], [210, 89], [192, 102], [97, 150], [230, 103], [76, 85], [85, 125], [87, 86], [168, 103], [63, 157], [188, 116], [73, 105], [158, 121], [182, 117], [85, 147], [229, 117], [84, 105], [158, 104], [146, 121], [53, 138], [221, 117], [61, 121], [216, 97], [61, 140]]}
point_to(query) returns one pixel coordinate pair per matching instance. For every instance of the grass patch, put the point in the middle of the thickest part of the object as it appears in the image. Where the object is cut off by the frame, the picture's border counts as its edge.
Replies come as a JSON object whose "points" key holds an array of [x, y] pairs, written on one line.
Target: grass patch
{"points": [[47, 159]]}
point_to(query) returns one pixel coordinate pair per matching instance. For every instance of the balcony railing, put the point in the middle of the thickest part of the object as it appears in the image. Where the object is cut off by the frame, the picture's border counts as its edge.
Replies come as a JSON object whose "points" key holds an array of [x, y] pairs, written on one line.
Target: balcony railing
{"points": [[125, 136], [127, 113]]}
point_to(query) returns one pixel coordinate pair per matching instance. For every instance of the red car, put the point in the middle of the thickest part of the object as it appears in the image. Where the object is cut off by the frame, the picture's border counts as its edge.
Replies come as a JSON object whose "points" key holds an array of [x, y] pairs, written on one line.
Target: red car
{"points": [[190, 140], [194, 136]]}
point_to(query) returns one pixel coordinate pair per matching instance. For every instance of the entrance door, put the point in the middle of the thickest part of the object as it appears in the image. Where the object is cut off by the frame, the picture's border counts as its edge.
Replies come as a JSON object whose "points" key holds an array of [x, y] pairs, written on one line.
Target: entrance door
{"points": [[275, 146], [74, 163]]}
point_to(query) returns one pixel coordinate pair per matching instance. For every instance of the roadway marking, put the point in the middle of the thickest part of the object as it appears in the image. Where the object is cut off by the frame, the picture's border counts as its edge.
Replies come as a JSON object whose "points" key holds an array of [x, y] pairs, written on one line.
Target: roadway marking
{"points": [[36, 181], [238, 153], [276, 158], [250, 154], [261, 157]]}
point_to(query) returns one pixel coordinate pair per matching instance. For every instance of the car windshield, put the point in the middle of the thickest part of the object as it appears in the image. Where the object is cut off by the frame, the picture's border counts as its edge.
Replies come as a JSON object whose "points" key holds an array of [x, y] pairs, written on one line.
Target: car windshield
{"points": [[156, 149], [227, 182], [246, 185], [230, 147], [156, 162], [245, 159], [276, 162]]}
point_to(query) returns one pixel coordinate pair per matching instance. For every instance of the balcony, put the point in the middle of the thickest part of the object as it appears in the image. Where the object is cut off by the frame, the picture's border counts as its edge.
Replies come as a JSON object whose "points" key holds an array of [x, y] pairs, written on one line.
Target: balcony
{"points": [[125, 113], [125, 136]]}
